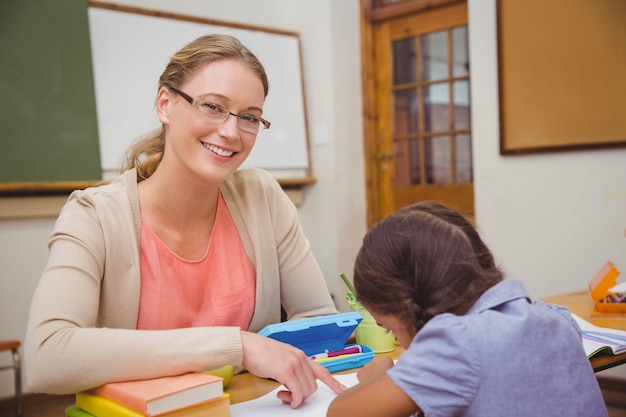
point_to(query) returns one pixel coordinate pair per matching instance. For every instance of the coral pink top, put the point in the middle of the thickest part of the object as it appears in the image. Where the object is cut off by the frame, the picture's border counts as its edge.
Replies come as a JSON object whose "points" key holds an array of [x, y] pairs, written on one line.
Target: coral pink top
{"points": [[216, 290]]}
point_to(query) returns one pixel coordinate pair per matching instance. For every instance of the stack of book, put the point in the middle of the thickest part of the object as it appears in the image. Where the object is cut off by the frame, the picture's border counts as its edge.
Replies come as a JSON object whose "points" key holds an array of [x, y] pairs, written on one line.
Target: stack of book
{"points": [[189, 395]]}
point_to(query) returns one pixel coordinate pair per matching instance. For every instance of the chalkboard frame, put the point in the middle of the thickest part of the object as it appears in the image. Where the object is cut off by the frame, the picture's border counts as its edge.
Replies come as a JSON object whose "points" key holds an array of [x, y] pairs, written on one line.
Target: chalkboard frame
{"points": [[303, 176]]}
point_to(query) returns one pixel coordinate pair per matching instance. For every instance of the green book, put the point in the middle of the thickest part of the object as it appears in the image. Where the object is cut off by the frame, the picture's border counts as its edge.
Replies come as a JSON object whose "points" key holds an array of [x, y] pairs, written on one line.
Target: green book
{"points": [[74, 411]]}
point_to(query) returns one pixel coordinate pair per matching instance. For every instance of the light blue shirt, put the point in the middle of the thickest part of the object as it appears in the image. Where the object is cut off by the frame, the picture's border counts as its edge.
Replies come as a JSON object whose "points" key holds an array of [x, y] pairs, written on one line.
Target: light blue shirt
{"points": [[506, 357]]}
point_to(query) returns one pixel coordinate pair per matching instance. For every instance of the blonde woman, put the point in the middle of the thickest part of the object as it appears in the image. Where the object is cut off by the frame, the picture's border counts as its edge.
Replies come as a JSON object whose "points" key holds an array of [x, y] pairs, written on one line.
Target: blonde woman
{"points": [[174, 265]]}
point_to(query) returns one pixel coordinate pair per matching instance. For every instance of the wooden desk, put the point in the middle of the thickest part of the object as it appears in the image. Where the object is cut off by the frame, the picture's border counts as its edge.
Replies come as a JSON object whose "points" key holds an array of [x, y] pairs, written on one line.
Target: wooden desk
{"points": [[245, 386], [581, 304]]}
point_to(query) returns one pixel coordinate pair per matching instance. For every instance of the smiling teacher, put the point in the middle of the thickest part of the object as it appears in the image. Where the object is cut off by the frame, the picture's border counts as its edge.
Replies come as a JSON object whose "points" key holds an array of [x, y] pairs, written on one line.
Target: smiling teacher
{"points": [[175, 265]]}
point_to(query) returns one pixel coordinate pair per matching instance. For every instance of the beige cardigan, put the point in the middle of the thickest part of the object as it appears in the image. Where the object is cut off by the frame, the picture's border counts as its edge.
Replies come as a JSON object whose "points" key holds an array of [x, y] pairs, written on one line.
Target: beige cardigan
{"points": [[82, 325]]}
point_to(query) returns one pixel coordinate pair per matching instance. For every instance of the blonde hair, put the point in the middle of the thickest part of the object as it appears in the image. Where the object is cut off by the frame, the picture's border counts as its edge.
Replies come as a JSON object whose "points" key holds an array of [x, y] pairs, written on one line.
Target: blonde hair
{"points": [[146, 153]]}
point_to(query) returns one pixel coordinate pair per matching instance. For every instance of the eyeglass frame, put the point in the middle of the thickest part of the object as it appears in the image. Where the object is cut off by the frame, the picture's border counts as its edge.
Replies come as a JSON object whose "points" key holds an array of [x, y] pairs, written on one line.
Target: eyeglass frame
{"points": [[195, 103]]}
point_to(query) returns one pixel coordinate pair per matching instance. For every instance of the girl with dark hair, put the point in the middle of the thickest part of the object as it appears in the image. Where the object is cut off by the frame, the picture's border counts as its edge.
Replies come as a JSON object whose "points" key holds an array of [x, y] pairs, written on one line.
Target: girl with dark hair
{"points": [[475, 344]]}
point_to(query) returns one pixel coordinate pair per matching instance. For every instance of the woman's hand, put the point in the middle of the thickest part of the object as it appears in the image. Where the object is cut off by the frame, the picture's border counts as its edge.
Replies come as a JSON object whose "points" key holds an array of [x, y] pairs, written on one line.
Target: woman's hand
{"points": [[268, 358], [377, 367]]}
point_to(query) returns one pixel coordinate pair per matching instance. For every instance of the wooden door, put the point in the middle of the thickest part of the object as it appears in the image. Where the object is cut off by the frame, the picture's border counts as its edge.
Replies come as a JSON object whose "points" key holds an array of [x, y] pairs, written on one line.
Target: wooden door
{"points": [[419, 98]]}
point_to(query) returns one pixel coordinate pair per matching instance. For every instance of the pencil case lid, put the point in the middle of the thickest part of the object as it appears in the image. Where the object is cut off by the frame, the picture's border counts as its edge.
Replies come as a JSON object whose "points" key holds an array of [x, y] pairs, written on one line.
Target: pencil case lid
{"points": [[316, 334]]}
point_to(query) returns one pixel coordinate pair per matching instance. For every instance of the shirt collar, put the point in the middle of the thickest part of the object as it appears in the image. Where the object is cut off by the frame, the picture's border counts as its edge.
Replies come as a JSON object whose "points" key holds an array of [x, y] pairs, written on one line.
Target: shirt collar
{"points": [[503, 292]]}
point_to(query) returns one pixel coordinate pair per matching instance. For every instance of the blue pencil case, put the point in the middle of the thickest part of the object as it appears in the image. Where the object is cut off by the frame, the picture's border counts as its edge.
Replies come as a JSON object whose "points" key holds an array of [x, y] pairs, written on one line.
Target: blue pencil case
{"points": [[319, 335]]}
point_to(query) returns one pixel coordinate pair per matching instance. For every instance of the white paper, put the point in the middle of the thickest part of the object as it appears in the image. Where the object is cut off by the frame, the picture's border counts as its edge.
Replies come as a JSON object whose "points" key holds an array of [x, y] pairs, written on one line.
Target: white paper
{"points": [[314, 406]]}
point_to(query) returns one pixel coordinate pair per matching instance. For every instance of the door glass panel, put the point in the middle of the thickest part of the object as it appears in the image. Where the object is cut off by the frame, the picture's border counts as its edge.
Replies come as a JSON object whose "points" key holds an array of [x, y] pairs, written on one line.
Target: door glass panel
{"points": [[406, 156], [460, 56], [405, 112], [404, 61], [461, 104], [463, 147], [437, 156], [434, 56], [436, 114]]}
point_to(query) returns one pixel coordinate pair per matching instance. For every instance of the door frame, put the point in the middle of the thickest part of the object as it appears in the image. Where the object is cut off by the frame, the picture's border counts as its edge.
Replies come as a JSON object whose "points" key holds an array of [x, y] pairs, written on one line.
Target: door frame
{"points": [[370, 15]]}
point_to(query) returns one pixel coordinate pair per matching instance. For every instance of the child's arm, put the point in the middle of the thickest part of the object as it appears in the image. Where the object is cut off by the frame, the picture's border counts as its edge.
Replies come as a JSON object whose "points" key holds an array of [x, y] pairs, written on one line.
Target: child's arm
{"points": [[375, 396]]}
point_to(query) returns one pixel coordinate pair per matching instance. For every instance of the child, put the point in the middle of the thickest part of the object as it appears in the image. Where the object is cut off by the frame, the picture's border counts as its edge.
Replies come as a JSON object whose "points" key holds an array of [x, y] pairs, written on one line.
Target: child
{"points": [[475, 344]]}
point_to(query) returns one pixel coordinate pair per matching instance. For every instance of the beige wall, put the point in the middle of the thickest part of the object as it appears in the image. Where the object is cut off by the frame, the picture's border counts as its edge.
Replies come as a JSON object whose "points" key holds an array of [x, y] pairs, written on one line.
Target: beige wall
{"points": [[552, 220]]}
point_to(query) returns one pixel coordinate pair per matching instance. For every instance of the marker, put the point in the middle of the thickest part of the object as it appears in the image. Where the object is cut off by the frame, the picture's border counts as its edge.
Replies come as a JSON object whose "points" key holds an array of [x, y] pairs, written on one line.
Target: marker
{"points": [[336, 358], [346, 351]]}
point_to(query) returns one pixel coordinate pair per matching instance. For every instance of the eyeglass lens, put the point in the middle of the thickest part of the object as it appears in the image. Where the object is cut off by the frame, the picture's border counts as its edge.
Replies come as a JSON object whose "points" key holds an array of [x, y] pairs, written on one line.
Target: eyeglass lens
{"points": [[217, 113]]}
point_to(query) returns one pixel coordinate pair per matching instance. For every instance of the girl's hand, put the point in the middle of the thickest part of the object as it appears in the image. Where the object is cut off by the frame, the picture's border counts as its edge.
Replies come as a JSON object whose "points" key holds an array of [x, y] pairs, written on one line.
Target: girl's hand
{"points": [[377, 367], [268, 358]]}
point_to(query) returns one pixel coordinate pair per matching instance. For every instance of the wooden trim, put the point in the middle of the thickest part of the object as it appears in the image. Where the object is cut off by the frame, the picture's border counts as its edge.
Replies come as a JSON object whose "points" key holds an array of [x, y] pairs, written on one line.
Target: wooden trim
{"points": [[8, 189], [369, 112], [43, 188], [195, 19], [402, 8], [296, 182], [560, 148]]}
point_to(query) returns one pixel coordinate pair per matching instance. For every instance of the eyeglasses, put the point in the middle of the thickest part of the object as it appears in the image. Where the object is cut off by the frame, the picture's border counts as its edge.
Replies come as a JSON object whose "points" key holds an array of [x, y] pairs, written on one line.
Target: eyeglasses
{"points": [[218, 114]]}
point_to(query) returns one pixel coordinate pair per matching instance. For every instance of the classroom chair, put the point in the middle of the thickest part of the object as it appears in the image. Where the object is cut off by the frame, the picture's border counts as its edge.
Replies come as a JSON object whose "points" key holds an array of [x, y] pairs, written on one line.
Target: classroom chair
{"points": [[13, 346]]}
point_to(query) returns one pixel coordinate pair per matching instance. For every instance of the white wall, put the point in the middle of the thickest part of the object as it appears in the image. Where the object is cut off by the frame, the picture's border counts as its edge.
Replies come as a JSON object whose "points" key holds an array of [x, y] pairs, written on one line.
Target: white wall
{"points": [[552, 220]]}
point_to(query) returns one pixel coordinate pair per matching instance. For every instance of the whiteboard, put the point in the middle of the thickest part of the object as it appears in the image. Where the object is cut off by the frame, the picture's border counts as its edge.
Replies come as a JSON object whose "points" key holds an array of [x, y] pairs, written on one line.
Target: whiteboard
{"points": [[129, 53]]}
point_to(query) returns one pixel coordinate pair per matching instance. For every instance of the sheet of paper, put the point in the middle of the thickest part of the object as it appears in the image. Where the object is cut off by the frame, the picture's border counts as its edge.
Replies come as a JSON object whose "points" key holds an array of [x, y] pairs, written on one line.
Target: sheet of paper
{"points": [[269, 405]]}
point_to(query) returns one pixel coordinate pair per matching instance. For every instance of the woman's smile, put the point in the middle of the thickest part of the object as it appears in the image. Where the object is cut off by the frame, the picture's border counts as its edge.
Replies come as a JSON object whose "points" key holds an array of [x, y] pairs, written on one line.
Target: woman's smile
{"points": [[219, 151]]}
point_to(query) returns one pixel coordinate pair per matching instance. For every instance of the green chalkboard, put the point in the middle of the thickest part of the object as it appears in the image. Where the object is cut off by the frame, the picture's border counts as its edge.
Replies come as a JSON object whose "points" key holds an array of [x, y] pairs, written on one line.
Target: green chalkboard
{"points": [[48, 122]]}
